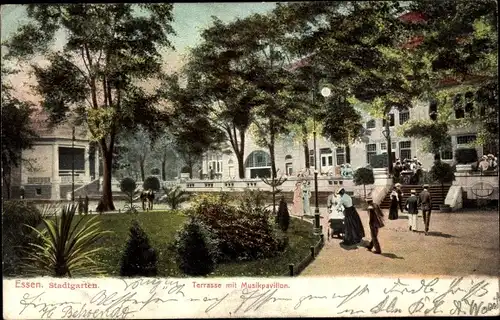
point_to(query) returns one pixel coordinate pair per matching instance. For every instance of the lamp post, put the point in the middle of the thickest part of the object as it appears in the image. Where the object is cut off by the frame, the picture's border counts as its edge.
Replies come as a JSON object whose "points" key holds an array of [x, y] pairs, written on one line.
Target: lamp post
{"points": [[317, 227], [387, 135], [73, 165]]}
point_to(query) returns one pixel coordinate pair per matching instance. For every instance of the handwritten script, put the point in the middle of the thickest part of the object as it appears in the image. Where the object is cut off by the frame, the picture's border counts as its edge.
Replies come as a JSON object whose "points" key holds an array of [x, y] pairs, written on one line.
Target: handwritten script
{"points": [[48, 298]]}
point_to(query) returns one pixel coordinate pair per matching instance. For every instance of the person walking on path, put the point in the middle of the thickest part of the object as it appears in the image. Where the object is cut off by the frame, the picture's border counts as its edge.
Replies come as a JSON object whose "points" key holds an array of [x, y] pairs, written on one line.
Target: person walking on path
{"points": [[425, 202], [297, 199], [412, 208], [393, 210], [400, 196], [376, 222], [354, 231]]}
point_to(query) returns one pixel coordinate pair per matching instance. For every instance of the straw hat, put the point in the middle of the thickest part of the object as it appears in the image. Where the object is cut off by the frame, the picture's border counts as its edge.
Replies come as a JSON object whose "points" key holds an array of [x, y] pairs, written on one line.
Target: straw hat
{"points": [[413, 191], [398, 184], [340, 190]]}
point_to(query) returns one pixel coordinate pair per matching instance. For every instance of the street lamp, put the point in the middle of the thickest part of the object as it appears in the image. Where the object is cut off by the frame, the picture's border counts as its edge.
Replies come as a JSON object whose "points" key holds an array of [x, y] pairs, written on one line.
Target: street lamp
{"points": [[73, 165], [387, 135]]}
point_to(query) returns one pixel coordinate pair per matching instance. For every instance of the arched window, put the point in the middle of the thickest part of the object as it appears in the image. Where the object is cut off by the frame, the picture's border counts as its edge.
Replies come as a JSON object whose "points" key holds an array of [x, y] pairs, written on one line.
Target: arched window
{"points": [[288, 157], [258, 159]]}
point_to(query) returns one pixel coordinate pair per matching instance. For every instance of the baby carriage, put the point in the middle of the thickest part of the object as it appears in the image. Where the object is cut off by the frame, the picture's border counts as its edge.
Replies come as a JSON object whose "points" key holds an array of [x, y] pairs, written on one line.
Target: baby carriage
{"points": [[336, 222]]}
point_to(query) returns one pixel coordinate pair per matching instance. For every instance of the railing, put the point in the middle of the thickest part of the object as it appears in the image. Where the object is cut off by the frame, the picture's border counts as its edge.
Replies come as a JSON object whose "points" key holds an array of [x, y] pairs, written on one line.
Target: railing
{"points": [[68, 172], [39, 180], [295, 270]]}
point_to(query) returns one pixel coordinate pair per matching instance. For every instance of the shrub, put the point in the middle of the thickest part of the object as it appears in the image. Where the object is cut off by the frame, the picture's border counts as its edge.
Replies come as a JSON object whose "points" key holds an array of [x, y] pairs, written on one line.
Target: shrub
{"points": [[151, 183], [128, 186], [443, 173], [175, 196], [139, 258], [17, 218], [283, 216], [245, 232], [196, 248], [363, 176], [155, 171], [379, 161], [67, 245], [466, 155]]}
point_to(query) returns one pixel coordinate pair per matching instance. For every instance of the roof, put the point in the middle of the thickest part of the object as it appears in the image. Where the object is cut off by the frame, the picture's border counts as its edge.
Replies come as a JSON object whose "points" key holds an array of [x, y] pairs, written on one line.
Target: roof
{"points": [[41, 124]]}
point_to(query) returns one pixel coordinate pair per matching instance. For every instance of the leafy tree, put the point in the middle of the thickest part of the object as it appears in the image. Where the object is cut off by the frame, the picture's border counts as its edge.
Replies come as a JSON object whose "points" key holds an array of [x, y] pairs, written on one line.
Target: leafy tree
{"points": [[17, 131], [434, 134], [109, 50], [192, 131], [164, 152], [222, 70], [363, 176], [443, 173], [135, 150], [139, 258]]}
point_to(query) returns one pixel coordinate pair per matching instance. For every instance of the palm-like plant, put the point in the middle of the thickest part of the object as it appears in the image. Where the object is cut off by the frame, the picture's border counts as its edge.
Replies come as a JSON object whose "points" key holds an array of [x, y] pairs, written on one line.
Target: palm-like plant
{"points": [[175, 196], [66, 244]]}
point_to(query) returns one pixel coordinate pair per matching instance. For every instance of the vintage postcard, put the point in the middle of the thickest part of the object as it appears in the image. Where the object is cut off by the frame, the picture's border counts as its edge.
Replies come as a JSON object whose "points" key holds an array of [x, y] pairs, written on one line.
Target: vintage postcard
{"points": [[251, 159]]}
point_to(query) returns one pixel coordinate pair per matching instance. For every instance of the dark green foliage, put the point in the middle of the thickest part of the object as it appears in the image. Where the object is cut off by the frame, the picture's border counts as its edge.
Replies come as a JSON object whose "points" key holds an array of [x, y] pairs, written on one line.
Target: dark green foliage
{"points": [[128, 185], [363, 176], [379, 161], [152, 183], [442, 172], [466, 155], [16, 216], [196, 248], [175, 196], [155, 171], [283, 216], [139, 258], [245, 232]]}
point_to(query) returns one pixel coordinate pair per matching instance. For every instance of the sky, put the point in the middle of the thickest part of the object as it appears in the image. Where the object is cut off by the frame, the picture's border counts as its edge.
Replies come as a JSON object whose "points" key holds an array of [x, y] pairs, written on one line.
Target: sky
{"points": [[189, 20]]}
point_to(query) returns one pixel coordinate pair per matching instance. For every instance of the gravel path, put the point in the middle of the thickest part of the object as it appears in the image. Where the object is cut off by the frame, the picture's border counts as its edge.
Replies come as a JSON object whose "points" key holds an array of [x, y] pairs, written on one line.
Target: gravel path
{"points": [[458, 244]]}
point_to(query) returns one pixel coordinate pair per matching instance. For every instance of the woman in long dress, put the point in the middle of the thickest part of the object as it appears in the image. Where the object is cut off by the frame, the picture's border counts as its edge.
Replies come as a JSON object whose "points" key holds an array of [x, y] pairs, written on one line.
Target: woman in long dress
{"points": [[353, 227], [393, 211], [306, 195], [297, 199]]}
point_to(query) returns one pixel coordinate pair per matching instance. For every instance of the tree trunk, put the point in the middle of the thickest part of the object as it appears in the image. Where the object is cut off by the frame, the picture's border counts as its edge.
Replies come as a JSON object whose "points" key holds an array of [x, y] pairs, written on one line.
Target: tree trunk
{"points": [[305, 145], [364, 189], [163, 170], [107, 194], [240, 156], [348, 153], [143, 173], [271, 152]]}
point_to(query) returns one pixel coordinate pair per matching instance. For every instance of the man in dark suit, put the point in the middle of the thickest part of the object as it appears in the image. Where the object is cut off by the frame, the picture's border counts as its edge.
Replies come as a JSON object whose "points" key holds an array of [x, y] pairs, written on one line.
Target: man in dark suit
{"points": [[425, 202], [376, 222], [412, 208]]}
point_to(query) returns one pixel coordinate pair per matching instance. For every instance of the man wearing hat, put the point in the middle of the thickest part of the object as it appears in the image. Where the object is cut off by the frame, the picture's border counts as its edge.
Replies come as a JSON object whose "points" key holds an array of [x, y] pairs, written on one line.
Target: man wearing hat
{"points": [[400, 196], [412, 207], [425, 201], [376, 222]]}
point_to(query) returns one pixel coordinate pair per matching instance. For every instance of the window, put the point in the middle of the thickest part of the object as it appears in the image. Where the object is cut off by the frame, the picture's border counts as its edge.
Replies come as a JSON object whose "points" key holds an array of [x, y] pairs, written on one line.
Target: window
{"points": [[383, 146], [446, 153], [370, 124], [469, 104], [288, 157], [433, 110], [288, 169], [326, 157], [466, 139], [458, 106], [404, 116], [340, 155], [391, 120], [394, 146], [405, 150], [371, 150], [38, 191], [258, 159], [311, 158]]}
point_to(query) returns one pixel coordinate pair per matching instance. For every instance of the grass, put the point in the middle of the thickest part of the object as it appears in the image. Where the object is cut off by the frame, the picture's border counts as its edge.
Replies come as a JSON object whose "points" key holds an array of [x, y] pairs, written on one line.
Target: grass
{"points": [[161, 227]]}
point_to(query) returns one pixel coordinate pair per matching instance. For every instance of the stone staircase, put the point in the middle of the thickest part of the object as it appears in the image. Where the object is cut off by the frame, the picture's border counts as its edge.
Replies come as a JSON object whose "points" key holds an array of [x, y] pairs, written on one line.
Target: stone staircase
{"points": [[438, 195]]}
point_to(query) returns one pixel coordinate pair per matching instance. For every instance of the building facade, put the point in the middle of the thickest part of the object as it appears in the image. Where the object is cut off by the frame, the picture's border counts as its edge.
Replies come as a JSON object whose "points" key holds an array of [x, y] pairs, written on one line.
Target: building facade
{"points": [[290, 156]]}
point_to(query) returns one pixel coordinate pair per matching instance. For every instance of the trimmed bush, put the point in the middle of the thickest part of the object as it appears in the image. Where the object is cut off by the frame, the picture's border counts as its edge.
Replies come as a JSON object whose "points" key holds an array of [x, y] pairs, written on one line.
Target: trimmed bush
{"points": [[245, 232], [363, 176], [139, 258], [379, 161], [128, 186], [16, 236], [196, 249], [151, 183], [466, 155], [283, 215], [155, 171]]}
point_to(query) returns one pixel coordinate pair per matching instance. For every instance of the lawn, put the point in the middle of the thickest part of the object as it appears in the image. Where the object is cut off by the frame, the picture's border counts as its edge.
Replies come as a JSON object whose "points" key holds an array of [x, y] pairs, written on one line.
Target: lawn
{"points": [[161, 226]]}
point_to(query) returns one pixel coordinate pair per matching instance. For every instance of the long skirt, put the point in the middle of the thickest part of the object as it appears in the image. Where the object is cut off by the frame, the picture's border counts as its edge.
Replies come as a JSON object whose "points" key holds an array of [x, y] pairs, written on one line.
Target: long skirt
{"points": [[393, 210], [354, 231]]}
